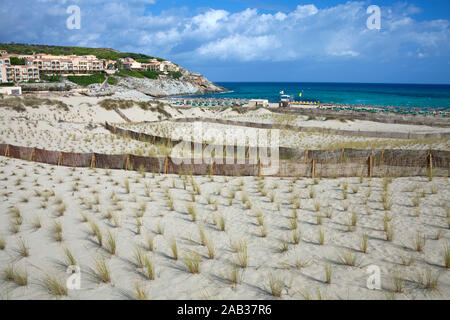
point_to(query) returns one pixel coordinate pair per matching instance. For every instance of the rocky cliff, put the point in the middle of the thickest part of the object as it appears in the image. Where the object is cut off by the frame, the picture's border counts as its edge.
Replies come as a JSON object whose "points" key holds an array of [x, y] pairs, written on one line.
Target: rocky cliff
{"points": [[165, 85]]}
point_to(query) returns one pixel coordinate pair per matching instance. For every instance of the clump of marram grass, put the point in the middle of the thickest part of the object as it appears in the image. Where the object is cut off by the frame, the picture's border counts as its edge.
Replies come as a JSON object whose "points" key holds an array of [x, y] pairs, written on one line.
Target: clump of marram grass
{"points": [[174, 248], [293, 224], [111, 243], [192, 261], [284, 246], [348, 258], [446, 255], [2, 243], [311, 192], [127, 186], [95, 229], [419, 242], [211, 248], [242, 254], [389, 231], [276, 285], [318, 219], [235, 275], [328, 273], [139, 257], [55, 285], [192, 211], [397, 282], [140, 291], [364, 242], [296, 237], [428, 280], [150, 244], [407, 261], [70, 259], [386, 200], [19, 276], [23, 248], [102, 271], [221, 222], [321, 236], [149, 268], [57, 231]]}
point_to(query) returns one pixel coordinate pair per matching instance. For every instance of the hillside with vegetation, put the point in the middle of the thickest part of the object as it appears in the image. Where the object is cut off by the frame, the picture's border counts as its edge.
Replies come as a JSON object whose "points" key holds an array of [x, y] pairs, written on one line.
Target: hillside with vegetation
{"points": [[153, 83], [101, 53]]}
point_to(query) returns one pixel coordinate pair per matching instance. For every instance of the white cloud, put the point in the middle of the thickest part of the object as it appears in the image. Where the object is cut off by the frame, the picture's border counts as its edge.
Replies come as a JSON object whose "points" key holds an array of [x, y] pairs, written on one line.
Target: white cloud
{"points": [[307, 32]]}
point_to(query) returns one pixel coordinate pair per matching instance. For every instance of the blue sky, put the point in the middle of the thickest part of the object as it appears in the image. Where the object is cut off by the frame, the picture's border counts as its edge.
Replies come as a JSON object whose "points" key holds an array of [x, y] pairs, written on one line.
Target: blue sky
{"points": [[254, 40]]}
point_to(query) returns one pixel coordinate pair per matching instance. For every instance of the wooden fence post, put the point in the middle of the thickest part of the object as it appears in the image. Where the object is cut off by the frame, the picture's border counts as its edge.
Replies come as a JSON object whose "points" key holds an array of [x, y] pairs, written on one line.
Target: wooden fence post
{"points": [[342, 154], [211, 168], [430, 164], [259, 167], [93, 160], [7, 151], [60, 158], [313, 169], [306, 155], [33, 151], [370, 168], [166, 165], [127, 162]]}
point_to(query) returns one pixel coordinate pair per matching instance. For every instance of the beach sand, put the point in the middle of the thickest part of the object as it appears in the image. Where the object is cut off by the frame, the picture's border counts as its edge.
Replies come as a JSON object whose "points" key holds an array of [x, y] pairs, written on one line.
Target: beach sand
{"points": [[254, 238]]}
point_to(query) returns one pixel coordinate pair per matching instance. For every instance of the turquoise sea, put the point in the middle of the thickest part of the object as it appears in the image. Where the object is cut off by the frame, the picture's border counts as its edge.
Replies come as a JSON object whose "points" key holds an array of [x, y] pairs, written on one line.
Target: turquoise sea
{"points": [[400, 95]]}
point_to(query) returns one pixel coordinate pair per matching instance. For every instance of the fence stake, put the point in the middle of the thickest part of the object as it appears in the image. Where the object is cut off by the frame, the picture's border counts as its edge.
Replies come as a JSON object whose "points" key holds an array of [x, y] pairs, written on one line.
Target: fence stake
{"points": [[60, 159], [7, 151], [211, 168], [259, 167], [93, 160], [306, 156], [166, 165], [32, 154], [430, 163], [342, 154], [127, 162], [313, 169], [370, 166]]}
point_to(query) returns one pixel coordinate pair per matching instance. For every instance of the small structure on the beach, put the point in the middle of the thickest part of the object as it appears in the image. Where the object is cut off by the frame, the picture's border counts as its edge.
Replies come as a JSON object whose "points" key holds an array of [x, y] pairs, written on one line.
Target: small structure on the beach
{"points": [[285, 101], [258, 103], [11, 91]]}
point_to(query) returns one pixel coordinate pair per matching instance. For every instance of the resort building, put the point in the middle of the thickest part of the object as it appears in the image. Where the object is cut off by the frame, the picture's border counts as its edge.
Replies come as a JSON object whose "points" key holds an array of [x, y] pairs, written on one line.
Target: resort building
{"points": [[65, 64], [10, 73], [152, 65]]}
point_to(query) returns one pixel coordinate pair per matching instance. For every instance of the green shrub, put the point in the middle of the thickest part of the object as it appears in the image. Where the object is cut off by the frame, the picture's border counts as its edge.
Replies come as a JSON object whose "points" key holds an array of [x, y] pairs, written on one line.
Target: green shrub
{"points": [[175, 74], [112, 81], [87, 80], [17, 61]]}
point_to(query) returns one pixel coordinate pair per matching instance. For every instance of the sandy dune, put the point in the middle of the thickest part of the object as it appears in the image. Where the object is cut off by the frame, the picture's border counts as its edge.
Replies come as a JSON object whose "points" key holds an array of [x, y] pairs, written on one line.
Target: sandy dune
{"points": [[58, 195]]}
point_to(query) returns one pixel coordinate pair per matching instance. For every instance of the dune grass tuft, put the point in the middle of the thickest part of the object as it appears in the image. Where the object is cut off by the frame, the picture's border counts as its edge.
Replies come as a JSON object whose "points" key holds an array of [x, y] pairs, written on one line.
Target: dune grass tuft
{"points": [[276, 285], [55, 286], [192, 260], [102, 271]]}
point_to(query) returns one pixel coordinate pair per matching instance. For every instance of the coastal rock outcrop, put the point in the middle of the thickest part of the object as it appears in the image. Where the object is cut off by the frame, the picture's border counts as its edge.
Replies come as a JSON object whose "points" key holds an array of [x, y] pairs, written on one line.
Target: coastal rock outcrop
{"points": [[166, 85]]}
